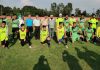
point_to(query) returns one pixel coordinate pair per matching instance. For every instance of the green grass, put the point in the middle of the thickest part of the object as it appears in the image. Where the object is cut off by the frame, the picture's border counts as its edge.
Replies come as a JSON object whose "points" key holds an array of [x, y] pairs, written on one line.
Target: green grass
{"points": [[80, 57]]}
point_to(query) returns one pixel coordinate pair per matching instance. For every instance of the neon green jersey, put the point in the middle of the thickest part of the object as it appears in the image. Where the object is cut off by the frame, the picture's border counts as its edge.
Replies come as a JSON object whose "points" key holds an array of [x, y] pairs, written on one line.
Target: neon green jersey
{"points": [[43, 35], [98, 32], [72, 20], [60, 33], [94, 21], [75, 35], [59, 20], [22, 34], [3, 34], [15, 23], [89, 32]]}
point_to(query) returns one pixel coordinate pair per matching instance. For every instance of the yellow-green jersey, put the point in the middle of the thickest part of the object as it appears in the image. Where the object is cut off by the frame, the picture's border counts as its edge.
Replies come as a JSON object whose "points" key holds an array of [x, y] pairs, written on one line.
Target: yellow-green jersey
{"points": [[89, 32], [43, 35], [94, 22], [60, 33], [3, 34], [22, 34], [98, 32], [59, 20], [72, 20]]}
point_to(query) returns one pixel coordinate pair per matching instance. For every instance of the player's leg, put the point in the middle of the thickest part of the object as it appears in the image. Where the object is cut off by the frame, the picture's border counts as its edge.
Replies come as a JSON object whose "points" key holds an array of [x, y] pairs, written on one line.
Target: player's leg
{"points": [[3, 43], [22, 42], [28, 41], [6, 43], [48, 41]]}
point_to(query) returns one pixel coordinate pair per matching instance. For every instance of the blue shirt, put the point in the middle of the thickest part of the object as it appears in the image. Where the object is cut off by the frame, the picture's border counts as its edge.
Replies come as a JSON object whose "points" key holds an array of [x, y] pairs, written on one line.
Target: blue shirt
{"points": [[29, 22]]}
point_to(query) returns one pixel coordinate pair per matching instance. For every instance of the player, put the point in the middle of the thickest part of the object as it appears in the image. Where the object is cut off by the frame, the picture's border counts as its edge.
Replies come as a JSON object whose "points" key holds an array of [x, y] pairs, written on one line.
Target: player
{"points": [[74, 33], [4, 35], [44, 36], [61, 34], [89, 33], [23, 36], [15, 27]]}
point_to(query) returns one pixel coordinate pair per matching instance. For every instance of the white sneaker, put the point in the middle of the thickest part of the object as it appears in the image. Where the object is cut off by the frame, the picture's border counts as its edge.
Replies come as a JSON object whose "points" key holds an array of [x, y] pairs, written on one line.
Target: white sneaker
{"points": [[66, 46], [30, 46]]}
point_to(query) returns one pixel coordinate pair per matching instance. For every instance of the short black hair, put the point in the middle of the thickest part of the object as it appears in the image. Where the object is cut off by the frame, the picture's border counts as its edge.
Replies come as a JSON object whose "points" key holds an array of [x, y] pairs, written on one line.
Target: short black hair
{"points": [[74, 22], [89, 23], [4, 22], [22, 25], [61, 23], [43, 26], [72, 14]]}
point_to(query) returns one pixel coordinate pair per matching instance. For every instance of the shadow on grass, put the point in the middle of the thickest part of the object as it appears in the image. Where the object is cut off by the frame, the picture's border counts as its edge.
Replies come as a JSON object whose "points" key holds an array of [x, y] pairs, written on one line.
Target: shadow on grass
{"points": [[71, 61], [92, 58], [42, 64]]}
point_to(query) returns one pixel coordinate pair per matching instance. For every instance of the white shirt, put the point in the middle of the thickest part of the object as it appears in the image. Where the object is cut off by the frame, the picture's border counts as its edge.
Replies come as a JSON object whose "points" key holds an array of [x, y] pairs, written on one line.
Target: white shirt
{"points": [[21, 21], [36, 22]]}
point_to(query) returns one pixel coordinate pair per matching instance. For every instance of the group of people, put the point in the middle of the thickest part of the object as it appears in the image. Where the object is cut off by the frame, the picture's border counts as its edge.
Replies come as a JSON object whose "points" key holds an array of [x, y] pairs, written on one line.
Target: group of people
{"points": [[63, 29]]}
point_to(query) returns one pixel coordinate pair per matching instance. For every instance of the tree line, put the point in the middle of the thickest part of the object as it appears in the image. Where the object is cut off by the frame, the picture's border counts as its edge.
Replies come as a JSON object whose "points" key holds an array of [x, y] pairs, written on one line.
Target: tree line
{"points": [[55, 9]]}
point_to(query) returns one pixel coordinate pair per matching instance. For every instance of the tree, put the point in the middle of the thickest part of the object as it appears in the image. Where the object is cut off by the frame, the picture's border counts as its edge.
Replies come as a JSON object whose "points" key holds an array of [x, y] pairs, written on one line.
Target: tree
{"points": [[70, 8], [29, 10], [84, 13], [8, 10], [1, 9], [98, 12], [16, 10], [60, 8], [77, 12], [54, 8]]}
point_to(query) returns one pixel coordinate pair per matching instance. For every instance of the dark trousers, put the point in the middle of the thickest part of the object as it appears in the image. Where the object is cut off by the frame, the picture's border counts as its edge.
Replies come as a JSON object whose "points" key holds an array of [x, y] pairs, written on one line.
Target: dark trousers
{"points": [[94, 31], [5, 43], [94, 39], [46, 41], [37, 32], [30, 30], [66, 40], [15, 31]]}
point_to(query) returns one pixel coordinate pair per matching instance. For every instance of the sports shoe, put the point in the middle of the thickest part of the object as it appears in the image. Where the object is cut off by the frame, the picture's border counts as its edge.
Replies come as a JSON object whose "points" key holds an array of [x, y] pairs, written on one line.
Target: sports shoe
{"points": [[66, 46], [30, 46]]}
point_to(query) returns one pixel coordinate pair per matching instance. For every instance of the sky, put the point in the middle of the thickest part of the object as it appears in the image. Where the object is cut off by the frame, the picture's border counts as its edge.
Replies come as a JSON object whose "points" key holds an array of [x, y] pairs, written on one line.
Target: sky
{"points": [[88, 5]]}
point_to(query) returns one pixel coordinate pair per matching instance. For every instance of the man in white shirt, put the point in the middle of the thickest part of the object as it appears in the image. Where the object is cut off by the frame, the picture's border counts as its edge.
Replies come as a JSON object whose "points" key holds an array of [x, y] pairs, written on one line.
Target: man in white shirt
{"points": [[36, 24], [21, 21]]}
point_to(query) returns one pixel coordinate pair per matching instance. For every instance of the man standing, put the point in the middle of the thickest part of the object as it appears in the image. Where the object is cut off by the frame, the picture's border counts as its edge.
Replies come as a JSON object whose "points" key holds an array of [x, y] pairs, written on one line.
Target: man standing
{"points": [[15, 26], [37, 27], [51, 26], [94, 22], [72, 19], [29, 24]]}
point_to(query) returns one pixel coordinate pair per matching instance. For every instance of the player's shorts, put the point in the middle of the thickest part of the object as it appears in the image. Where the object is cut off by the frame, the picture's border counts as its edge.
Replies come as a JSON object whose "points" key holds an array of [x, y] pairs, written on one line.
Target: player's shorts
{"points": [[3, 42], [75, 38], [15, 29]]}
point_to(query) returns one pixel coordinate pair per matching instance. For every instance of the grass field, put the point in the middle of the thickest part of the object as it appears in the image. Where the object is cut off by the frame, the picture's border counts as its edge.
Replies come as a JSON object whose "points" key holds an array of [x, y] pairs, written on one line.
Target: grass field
{"points": [[80, 57]]}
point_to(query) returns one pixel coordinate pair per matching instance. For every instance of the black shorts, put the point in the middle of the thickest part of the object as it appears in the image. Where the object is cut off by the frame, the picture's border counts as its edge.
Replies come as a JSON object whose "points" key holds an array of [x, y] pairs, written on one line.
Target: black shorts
{"points": [[30, 28], [46, 41], [15, 29], [3, 42], [68, 34]]}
